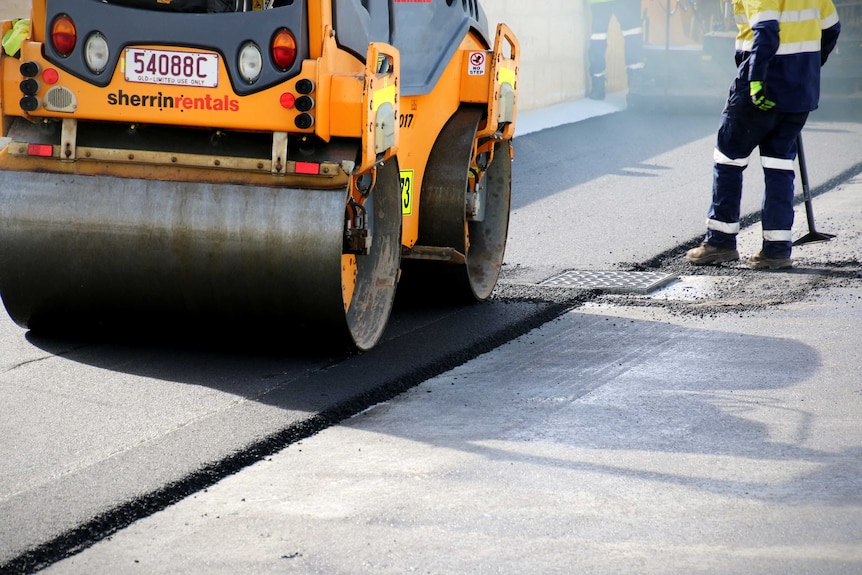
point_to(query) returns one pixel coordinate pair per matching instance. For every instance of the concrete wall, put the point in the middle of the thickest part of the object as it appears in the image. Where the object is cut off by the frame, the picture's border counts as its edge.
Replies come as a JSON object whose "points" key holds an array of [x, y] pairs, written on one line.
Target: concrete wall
{"points": [[14, 8], [554, 36]]}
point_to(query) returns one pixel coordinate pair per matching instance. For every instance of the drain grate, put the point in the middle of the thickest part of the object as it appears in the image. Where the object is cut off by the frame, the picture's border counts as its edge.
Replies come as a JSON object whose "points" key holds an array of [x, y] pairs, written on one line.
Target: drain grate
{"points": [[610, 281]]}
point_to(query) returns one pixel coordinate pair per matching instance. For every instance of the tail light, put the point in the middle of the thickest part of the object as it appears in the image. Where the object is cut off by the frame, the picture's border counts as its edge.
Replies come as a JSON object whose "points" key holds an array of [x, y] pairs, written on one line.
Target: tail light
{"points": [[283, 49], [64, 36]]}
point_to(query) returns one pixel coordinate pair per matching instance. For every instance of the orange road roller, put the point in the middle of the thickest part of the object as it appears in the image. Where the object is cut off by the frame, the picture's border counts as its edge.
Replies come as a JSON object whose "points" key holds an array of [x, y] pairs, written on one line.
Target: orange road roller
{"points": [[260, 163]]}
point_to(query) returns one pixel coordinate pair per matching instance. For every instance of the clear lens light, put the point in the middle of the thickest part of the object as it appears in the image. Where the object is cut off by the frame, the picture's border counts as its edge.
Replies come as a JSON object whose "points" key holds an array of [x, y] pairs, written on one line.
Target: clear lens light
{"points": [[250, 62], [96, 52]]}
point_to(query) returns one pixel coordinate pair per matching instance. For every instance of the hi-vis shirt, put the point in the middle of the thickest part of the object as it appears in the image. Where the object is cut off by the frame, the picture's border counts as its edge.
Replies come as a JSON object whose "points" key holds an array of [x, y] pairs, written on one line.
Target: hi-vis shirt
{"points": [[783, 43]]}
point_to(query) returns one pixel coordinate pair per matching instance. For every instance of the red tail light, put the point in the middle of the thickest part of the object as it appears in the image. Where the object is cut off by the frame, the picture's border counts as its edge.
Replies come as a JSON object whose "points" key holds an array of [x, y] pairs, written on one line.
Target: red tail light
{"points": [[64, 36], [307, 168], [284, 49], [43, 150]]}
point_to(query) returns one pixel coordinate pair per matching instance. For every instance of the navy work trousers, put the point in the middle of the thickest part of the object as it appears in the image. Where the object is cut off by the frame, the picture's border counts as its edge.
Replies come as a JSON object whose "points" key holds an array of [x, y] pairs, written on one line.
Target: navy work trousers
{"points": [[743, 128], [628, 13]]}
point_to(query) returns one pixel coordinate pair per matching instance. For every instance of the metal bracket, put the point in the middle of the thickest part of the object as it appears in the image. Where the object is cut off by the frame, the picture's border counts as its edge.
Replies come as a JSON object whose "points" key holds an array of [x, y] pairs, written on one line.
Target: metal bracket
{"points": [[68, 140], [279, 153]]}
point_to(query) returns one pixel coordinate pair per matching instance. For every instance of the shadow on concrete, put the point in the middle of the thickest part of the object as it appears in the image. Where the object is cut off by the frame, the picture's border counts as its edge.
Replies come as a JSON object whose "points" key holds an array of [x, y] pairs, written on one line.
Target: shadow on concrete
{"points": [[601, 385]]}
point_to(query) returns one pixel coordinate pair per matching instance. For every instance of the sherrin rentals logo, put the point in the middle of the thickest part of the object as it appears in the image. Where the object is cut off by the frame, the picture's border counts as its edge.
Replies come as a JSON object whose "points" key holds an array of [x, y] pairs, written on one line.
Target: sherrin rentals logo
{"points": [[181, 103]]}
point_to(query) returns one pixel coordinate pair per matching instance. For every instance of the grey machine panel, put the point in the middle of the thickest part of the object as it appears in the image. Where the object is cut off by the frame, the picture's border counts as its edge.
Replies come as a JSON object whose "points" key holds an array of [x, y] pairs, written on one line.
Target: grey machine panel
{"points": [[426, 34]]}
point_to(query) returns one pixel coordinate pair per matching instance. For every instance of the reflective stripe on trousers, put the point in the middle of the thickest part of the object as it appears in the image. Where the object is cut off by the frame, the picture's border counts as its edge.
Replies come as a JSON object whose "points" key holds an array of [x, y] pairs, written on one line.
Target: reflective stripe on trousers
{"points": [[744, 128]]}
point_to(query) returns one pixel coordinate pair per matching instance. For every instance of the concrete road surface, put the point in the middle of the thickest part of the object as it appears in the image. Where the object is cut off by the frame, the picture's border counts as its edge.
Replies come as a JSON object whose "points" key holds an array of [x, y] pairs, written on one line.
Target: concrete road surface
{"points": [[711, 426]]}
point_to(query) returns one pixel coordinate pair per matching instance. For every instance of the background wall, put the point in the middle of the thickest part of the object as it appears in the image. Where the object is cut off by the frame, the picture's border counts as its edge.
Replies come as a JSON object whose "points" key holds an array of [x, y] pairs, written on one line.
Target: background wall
{"points": [[14, 8], [554, 37]]}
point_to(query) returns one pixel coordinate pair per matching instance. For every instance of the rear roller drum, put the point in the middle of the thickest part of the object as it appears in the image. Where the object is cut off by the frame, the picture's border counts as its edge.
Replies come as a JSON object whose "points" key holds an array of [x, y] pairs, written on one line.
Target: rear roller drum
{"points": [[83, 253], [464, 206]]}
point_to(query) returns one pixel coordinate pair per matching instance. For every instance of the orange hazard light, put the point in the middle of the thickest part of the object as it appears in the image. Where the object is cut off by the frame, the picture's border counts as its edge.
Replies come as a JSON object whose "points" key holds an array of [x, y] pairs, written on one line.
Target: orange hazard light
{"points": [[64, 35], [283, 49]]}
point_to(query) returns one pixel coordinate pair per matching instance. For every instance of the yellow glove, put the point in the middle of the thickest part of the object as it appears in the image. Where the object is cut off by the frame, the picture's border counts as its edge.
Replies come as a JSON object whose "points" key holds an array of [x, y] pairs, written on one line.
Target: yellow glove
{"points": [[13, 38], [758, 96]]}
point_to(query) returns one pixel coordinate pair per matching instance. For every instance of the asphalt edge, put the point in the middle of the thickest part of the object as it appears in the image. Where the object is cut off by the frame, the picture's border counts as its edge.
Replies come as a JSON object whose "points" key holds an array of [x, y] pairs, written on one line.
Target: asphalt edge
{"points": [[440, 356]]}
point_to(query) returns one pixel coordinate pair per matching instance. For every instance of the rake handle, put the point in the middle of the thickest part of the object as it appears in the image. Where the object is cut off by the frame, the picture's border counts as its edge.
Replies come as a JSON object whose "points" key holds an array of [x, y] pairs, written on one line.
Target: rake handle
{"points": [[803, 175]]}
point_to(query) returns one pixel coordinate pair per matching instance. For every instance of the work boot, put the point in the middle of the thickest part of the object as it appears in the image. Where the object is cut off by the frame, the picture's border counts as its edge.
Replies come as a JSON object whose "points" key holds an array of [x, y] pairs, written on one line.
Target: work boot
{"points": [[710, 254], [759, 261], [634, 78], [597, 88]]}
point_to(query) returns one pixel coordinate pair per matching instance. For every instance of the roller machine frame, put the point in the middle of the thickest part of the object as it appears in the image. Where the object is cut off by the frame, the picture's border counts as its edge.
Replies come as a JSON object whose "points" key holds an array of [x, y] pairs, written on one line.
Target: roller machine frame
{"points": [[252, 164]]}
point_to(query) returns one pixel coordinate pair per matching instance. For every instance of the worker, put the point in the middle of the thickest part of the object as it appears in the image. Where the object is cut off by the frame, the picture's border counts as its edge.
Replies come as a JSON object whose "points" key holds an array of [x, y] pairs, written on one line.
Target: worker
{"points": [[628, 13], [780, 49]]}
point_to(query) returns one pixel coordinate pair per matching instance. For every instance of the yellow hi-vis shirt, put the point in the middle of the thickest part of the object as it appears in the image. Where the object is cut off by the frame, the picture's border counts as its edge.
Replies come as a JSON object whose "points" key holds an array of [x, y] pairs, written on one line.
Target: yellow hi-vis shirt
{"points": [[783, 43]]}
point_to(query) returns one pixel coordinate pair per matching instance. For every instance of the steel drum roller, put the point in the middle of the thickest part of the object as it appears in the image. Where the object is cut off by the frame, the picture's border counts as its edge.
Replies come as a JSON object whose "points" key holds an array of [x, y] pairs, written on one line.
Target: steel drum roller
{"points": [[104, 250]]}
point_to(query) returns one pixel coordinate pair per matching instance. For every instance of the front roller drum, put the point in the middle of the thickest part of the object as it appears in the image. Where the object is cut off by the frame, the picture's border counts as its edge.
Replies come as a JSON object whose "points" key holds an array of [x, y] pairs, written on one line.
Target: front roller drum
{"points": [[82, 252], [478, 243]]}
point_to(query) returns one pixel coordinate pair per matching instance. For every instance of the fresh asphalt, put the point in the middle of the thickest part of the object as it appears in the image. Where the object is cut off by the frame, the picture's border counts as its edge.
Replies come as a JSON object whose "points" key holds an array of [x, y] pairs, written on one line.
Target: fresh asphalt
{"points": [[709, 426]]}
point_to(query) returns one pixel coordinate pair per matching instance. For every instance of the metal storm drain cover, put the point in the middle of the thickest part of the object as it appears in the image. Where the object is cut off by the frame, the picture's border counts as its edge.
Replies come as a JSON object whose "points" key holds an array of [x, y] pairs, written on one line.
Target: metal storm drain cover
{"points": [[610, 281]]}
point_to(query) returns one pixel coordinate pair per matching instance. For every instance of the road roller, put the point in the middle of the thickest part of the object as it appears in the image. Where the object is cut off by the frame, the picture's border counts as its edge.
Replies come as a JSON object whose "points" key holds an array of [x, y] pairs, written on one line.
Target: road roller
{"points": [[251, 164]]}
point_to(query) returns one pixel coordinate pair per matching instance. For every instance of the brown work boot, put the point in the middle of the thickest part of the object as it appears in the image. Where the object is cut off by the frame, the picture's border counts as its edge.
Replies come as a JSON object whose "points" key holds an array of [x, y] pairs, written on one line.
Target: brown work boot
{"points": [[709, 254], [761, 262]]}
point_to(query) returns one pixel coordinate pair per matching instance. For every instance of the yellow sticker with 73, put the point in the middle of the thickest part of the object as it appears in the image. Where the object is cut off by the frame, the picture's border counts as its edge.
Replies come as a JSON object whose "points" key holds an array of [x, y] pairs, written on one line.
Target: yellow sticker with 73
{"points": [[406, 192]]}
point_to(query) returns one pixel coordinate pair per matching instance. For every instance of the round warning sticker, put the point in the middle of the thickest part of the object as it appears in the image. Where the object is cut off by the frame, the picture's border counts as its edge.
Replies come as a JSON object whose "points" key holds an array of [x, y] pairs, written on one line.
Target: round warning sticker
{"points": [[477, 61]]}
